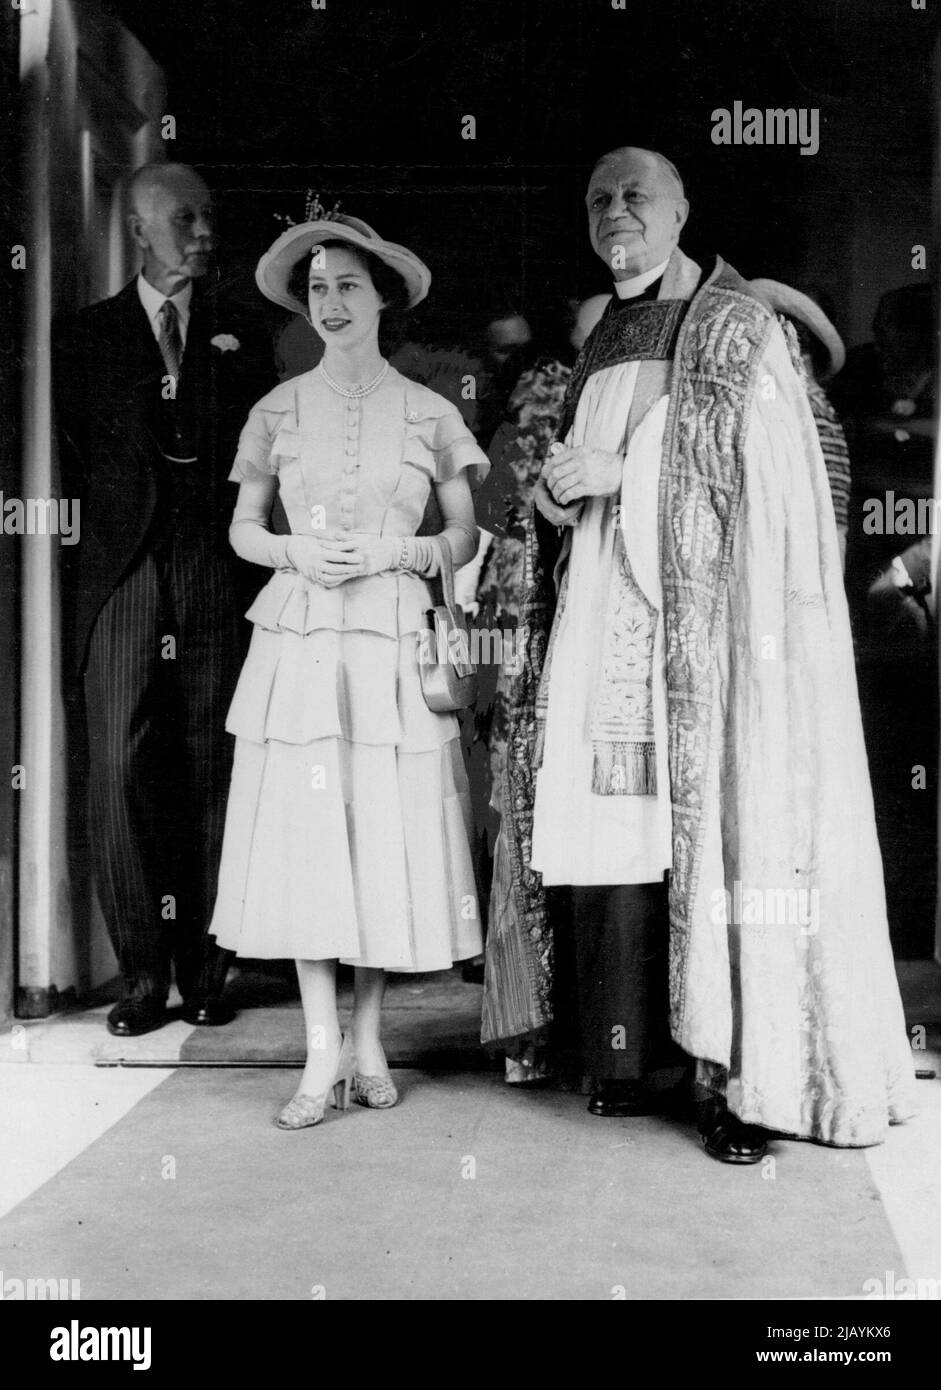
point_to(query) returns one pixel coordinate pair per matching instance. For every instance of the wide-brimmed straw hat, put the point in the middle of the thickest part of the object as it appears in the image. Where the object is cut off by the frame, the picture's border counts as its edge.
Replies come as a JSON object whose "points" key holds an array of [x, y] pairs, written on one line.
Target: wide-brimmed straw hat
{"points": [[273, 272], [784, 299]]}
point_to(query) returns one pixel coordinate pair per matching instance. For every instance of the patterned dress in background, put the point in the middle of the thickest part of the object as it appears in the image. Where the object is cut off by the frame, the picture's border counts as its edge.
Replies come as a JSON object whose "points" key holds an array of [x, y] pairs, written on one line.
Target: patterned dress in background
{"points": [[835, 454], [517, 454]]}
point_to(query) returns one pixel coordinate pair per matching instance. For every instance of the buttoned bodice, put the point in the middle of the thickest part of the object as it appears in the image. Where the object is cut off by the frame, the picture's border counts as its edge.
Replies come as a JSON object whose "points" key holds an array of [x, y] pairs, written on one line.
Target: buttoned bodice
{"points": [[363, 464]]}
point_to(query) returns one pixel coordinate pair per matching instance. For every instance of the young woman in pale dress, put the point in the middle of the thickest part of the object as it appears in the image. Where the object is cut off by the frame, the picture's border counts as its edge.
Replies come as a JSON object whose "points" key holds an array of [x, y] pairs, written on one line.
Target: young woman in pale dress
{"points": [[347, 833]]}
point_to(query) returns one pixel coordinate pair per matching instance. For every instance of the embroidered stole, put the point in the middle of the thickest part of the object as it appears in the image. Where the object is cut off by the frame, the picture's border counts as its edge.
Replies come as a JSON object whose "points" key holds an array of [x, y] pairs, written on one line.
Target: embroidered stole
{"points": [[622, 728]]}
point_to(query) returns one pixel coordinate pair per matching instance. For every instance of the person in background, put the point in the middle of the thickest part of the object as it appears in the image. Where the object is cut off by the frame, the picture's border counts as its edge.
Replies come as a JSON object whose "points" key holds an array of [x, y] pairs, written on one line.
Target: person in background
{"points": [[822, 355], [899, 698], [901, 601], [894, 374], [506, 337], [151, 387], [506, 350], [886, 397]]}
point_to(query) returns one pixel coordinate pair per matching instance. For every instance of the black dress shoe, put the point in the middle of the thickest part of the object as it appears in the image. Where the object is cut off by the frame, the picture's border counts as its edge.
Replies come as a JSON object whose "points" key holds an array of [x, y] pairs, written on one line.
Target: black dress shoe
{"points": [[207, 1013], [621, 1100], [730, 1141], [139, 1014]]}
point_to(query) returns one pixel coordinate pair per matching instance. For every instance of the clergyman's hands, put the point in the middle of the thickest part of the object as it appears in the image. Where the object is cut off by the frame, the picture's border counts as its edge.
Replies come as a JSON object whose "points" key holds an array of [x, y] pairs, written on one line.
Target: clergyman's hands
{"points": [[329, 557], [571, 474], [554, 514]]}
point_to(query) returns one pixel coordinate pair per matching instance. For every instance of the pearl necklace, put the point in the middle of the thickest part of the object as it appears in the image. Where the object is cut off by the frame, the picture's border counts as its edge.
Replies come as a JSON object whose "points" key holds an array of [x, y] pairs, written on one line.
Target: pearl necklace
{"points": [[354, 392]]}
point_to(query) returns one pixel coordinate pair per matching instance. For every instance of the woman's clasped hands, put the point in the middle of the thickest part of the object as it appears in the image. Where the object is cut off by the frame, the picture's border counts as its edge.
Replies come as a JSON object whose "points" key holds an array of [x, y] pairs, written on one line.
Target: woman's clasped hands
{"points": [[330, 557], [333, 556]]}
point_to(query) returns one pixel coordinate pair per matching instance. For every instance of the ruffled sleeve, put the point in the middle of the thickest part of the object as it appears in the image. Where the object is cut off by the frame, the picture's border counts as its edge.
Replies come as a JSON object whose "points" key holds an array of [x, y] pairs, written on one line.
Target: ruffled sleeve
{"points": [[269, 436], [437, 439]]}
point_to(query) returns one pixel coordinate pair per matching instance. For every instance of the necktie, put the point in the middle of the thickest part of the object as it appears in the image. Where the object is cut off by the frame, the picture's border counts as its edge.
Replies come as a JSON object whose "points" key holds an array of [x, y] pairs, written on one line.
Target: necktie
{"points": [[170, 344]]}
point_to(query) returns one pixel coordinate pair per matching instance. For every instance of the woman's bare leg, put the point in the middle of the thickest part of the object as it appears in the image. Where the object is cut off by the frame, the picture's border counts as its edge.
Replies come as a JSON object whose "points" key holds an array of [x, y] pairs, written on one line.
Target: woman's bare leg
{"points": [[367, 1020], [318, 982]]}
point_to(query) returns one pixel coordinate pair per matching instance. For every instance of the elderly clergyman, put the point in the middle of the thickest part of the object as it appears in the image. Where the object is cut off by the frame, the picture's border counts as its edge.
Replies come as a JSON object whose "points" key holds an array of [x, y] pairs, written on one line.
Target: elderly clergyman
{"points": [[688, 827]]}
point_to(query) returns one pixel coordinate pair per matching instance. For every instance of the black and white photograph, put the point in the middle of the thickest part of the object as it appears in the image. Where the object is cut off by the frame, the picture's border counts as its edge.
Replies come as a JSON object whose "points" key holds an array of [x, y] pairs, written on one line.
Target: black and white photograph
{"points": [[469, 698]]}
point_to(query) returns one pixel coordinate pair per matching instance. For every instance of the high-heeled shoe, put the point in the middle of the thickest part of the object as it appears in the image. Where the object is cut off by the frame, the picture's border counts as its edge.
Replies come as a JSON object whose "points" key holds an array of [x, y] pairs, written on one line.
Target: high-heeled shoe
{"points": [[302, 1111], [376, 1092]]}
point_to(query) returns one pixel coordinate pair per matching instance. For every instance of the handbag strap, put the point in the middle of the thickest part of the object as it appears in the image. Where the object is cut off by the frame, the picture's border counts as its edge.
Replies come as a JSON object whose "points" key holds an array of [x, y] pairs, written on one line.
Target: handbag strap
{"points": [[445, 575]]}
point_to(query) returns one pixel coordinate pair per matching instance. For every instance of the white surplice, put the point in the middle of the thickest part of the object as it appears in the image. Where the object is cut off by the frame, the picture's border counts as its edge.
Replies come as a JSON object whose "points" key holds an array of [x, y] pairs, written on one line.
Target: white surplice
{"points": [[580, 837]]}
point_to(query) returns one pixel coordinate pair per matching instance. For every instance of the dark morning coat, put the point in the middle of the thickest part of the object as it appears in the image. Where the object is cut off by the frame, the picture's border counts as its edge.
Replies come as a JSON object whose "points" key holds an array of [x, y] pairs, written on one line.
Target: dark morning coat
{"points": [[108, 375]]}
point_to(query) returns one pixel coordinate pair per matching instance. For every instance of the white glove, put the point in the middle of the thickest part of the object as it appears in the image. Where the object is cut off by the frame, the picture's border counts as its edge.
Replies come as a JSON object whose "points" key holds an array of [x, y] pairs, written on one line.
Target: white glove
{"points": [[328, 558], [378, 553], [417, 554]]}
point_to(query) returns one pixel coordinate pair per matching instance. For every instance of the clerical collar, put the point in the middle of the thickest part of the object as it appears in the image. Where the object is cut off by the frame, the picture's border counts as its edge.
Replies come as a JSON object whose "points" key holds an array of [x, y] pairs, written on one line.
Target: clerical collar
{"points": [[630, 289]]}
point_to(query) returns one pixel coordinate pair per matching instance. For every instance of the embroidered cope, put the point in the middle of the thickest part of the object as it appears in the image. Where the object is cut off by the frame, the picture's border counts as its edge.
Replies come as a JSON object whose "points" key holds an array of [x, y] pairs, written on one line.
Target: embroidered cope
{"points": [[793, 1013]]}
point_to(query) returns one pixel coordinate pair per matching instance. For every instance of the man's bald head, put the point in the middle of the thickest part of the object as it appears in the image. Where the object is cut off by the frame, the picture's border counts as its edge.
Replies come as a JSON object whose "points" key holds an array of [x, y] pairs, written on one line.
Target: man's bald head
{"points": [[636, 210], [151, 179], [171, 220], [666, 166]]}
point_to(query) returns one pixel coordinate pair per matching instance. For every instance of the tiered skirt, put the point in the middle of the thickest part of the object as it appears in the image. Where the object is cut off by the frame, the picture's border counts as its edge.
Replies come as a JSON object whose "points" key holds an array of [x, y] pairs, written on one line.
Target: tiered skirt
{"points": [[348, 826]]}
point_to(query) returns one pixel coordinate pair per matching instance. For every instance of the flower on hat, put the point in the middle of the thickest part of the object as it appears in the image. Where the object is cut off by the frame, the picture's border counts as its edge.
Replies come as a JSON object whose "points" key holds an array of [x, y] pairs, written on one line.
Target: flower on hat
{"points": [[314, 211], [273, 271]]}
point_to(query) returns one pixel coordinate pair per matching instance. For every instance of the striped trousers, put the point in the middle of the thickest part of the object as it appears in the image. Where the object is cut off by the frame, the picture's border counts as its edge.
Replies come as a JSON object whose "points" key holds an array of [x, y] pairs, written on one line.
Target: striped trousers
{"points": [[162, 664]]}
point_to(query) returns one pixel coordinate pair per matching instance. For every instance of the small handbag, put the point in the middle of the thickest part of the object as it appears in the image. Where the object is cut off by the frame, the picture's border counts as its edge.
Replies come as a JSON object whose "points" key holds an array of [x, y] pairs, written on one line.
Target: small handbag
{"points": [[448, 678]]}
